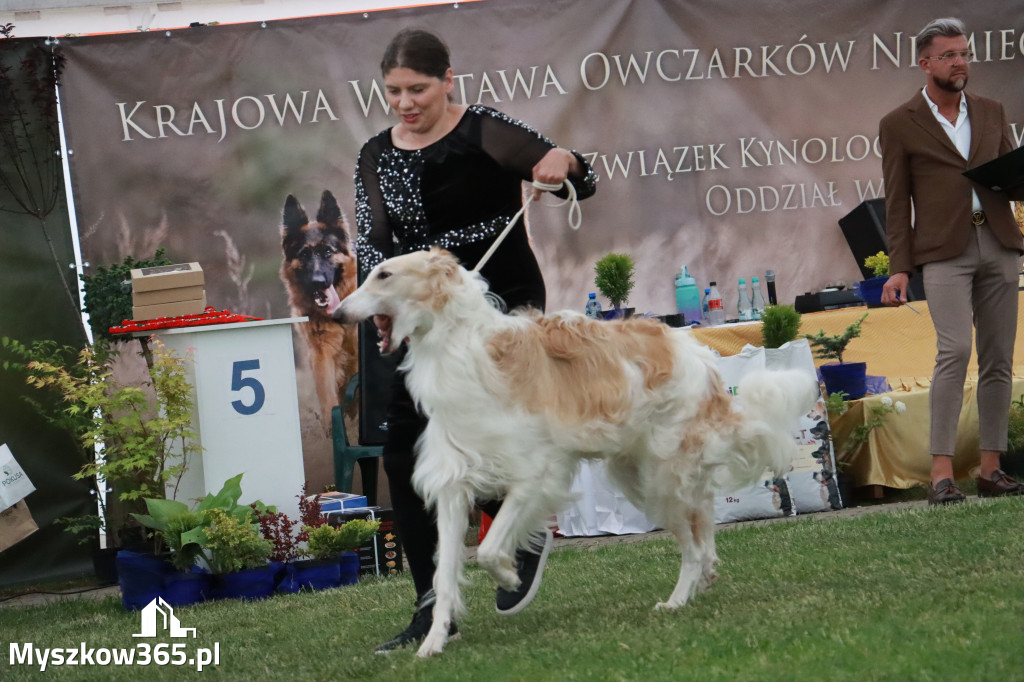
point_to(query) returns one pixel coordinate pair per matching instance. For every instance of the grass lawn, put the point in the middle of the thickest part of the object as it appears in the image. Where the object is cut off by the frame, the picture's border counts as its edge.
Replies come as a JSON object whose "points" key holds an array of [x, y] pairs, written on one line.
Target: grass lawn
{"points": [[924, 594]]}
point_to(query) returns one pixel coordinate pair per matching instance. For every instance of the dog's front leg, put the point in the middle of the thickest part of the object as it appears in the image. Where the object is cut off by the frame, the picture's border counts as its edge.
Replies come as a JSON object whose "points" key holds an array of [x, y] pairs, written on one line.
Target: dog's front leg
{"points": [[452, 521], [496, 553]]}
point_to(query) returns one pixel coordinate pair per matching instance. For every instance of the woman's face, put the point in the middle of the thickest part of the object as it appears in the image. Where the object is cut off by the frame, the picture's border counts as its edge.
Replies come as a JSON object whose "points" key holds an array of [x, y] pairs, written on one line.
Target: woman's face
{"points": [[419, 100]]}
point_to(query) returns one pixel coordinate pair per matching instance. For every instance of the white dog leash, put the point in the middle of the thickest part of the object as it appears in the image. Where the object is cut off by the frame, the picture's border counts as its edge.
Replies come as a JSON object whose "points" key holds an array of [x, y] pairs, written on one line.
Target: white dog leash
{"points": [[575, 216]]}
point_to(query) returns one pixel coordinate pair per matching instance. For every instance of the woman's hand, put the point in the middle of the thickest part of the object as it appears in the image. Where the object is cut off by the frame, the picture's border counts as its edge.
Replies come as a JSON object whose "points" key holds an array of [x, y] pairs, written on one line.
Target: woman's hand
{"points": [[555, 166]]}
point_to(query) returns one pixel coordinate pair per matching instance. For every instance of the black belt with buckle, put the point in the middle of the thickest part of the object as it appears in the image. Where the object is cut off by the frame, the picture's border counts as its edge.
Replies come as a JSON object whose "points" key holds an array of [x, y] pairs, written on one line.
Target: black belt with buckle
{"points": [[978, 217]]}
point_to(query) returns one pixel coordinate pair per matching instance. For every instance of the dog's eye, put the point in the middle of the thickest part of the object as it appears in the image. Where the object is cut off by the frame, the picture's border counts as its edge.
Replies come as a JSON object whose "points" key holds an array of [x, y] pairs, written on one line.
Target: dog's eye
{"points": [[383, 274]]}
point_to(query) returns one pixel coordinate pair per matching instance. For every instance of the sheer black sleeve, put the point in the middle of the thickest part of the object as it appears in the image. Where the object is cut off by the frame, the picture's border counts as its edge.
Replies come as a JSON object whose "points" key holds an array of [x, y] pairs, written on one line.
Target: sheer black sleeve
{"points": [[517, 147], [375, 240]]}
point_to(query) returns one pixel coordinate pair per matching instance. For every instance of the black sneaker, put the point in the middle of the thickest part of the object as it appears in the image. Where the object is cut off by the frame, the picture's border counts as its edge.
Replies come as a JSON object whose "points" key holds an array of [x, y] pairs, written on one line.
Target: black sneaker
{"points": [[418, 628], [530, 566]]}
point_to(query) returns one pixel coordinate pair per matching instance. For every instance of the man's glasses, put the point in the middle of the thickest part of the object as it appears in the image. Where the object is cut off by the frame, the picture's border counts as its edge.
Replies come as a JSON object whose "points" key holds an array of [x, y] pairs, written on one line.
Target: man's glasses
{"points": [[952, 56]]}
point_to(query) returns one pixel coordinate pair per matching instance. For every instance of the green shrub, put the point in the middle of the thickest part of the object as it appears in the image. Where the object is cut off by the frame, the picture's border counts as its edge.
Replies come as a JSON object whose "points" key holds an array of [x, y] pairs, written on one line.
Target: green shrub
{"points": [[327, 541], [879, 264], [779, 325], [233, 545], [832, 346], [614, 277]]}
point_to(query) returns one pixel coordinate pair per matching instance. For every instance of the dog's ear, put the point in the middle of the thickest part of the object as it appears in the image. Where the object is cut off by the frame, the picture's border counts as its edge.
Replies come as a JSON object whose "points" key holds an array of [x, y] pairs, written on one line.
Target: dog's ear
{"points": [[334, 224], [445, 260], [294, 216], [329, 212]]}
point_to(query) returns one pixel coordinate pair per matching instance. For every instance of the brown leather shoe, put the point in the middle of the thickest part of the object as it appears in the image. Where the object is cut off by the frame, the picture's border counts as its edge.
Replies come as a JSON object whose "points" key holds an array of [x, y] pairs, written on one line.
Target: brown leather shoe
{"points": [[945, 492], [999, 484]]}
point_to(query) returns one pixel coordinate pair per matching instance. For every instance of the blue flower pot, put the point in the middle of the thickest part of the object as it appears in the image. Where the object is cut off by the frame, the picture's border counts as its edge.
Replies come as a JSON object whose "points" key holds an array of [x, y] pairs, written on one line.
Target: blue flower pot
{"points": [[182, 589], [249, 584], [349, 568], [848, 377], [871, 290], [311, 574], [140, 576]]}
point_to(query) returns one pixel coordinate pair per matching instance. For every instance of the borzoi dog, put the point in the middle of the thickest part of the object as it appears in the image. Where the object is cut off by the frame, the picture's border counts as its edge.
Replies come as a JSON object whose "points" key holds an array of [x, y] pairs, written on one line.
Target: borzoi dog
{"points": [[516, 401]]}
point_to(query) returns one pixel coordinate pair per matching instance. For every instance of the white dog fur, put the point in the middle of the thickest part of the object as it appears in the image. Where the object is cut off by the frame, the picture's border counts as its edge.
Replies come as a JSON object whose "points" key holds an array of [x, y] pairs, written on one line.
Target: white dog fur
{"points": [[515, 401]]}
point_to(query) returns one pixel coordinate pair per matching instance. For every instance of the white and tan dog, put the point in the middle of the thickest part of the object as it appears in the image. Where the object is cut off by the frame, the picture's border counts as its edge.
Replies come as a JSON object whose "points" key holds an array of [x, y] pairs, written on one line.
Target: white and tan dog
{"points": [[516, 401]]}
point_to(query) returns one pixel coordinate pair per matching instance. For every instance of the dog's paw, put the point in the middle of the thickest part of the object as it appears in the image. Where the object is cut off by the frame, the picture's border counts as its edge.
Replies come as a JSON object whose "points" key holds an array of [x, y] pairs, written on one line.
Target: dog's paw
{"points": [[666, 606], [431, 646], [501, 568], [707, 579]]}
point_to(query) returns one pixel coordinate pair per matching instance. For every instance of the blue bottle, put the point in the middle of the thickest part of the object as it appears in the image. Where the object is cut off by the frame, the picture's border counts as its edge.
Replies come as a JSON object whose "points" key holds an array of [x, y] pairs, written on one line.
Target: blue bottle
{"points": [[687, 297], [593, 307]]}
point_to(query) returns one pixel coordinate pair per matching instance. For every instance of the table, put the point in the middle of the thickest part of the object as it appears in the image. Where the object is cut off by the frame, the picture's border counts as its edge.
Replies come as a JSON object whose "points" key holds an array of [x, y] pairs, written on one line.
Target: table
{"points": [[900, 345], [896, 454], [894, 342]]}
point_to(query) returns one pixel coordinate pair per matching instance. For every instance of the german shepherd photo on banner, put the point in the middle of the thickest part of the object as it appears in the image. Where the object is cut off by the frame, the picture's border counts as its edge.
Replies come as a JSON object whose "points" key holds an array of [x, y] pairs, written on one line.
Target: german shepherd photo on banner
{"points": [[319, 271]]}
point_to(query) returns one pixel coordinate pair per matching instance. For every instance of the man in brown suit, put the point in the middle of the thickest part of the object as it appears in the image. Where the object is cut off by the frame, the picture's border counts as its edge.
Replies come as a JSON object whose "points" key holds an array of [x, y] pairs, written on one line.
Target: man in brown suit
{"points": [[966, 242]]}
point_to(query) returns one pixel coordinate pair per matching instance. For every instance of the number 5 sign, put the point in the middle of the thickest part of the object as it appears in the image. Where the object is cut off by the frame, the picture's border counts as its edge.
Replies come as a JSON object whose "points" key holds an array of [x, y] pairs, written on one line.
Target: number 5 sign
{"points": [[238, 382], [246, 410]]}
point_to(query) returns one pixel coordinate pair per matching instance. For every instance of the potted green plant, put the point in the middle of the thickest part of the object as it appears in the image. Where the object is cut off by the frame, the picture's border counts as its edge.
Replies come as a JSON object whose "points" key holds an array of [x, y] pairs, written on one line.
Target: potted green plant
{"points": [[614, 279], [337, 544], [139, 441], [871, 289], [15, 357], [238, 557], [779, 325], [183, 532], [847, 377]]}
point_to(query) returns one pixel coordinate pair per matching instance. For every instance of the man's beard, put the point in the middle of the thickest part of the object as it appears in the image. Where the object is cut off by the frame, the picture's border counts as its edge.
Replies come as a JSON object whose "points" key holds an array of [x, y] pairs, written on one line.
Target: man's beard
{"points": [[953, 84]]}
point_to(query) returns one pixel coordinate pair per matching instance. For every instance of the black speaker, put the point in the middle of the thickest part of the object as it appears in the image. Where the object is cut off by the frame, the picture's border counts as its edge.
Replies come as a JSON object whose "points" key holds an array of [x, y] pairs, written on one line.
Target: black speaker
{"points": [[864, 229], [375, 376]]}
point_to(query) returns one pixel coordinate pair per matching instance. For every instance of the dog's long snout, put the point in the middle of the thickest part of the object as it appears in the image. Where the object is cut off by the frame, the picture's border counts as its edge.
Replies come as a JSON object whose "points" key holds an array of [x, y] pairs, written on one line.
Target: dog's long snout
{"points": [[344, 314]]}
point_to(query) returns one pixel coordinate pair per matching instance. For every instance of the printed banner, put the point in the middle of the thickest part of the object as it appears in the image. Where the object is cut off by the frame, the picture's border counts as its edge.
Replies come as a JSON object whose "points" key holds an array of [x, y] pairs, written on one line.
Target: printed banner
{"points": [[726, 137]]}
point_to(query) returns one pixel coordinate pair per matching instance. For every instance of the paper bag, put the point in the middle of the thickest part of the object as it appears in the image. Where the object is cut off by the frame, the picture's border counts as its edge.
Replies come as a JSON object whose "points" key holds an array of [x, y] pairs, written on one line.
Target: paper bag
{"points": [[14, 484], [16, 524]]}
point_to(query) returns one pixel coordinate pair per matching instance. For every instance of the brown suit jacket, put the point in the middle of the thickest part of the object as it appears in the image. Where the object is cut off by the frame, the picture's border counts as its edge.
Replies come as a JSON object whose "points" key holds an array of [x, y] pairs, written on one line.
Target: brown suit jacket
{"points": [[923, 171]]}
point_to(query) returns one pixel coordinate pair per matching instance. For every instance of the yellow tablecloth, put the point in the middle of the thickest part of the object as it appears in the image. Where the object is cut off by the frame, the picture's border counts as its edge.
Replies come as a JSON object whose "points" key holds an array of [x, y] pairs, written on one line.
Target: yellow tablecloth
{"points": [[900, 345], [894, 342], [896, 454]]}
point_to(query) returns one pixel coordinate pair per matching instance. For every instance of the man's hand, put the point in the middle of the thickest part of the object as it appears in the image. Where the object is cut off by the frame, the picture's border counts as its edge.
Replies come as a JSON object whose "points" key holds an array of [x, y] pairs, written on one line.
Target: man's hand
{"points": [[895, 290]]}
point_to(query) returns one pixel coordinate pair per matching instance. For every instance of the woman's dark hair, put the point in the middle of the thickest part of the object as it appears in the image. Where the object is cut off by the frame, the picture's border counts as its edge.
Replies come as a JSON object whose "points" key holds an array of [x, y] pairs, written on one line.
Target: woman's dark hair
{"points": [[419, 50]]}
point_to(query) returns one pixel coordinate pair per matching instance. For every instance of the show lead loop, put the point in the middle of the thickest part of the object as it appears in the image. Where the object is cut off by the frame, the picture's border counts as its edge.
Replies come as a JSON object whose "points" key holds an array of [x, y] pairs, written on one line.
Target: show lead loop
{"points": [[575, 215]]}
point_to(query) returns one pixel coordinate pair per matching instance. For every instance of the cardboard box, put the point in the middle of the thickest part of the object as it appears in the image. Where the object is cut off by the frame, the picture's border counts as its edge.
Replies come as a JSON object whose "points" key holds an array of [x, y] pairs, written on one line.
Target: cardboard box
{"points": [[175, 295], [167, 277], [151, 312], [335, 501], [383, 555]]}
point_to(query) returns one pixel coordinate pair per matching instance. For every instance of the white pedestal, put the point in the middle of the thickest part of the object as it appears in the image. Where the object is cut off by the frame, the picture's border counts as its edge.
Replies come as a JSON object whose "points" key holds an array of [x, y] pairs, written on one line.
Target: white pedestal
{"points": [[246, 411]]}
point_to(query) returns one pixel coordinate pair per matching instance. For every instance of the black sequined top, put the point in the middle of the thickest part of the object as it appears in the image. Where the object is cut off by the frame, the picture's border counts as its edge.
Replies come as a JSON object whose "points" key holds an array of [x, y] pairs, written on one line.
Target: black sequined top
{"points": [[458, 193]]}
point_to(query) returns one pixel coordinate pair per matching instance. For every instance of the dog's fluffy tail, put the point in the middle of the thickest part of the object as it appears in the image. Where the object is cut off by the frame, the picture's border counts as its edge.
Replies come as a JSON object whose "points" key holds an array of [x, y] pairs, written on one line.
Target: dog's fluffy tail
{"points": [[770, 403]]}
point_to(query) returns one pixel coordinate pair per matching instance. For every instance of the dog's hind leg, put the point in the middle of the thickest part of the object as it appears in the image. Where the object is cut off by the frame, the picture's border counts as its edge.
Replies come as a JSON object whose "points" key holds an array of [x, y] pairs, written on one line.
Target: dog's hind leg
{"points": [[693, 569], [452, 521], [703, 524]]}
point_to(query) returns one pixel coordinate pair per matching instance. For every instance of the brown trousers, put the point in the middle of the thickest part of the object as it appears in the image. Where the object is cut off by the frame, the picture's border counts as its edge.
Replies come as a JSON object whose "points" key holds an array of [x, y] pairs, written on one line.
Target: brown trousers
{"points": [[978, 286]]}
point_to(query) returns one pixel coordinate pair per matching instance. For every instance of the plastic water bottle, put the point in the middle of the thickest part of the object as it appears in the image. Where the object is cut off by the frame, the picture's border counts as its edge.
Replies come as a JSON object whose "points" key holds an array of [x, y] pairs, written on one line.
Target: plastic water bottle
{"points": [[743, 309], [704, 306], [716, 308], [769, 278], [756, 299], [593, 307], [687, 297]]}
